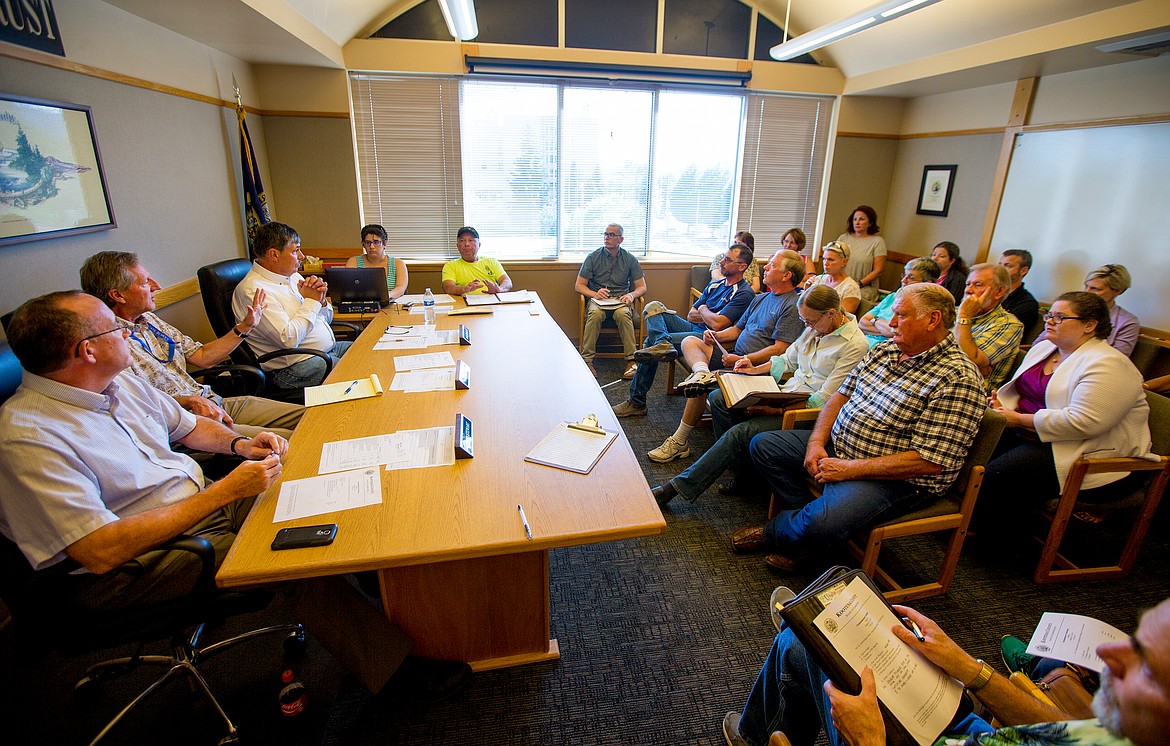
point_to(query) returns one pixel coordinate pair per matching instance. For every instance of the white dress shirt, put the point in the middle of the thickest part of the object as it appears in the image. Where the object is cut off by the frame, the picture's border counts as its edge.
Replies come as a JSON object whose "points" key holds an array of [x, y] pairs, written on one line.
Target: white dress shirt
{"points": [[290, 320]]}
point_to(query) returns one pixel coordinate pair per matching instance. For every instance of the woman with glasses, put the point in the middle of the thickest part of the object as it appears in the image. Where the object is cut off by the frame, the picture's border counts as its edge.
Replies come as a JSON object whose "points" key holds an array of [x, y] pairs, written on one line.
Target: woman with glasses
{"points": [[876, 323], [836, 258], [1109, 281], [1073, 395], [752, 274], [374, 241]]}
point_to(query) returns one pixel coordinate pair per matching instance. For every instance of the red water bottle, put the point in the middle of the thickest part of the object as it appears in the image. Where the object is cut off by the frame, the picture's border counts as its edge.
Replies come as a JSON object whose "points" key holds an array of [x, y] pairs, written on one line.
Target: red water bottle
{"points": [[292, 695]]}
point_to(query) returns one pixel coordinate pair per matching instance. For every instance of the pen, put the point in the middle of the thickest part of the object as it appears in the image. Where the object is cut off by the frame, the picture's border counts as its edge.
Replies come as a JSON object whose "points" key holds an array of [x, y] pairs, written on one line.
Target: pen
{"points": [[524, 520], [910, 625], [346, 392]]}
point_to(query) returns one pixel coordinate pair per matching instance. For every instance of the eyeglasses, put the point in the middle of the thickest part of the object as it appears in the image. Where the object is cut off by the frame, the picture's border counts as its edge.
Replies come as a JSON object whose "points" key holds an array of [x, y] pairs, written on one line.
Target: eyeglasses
{"points": [[370, 244], [608, 234], [1059, 318], [77, 347], [815, 321], [728, 260]]}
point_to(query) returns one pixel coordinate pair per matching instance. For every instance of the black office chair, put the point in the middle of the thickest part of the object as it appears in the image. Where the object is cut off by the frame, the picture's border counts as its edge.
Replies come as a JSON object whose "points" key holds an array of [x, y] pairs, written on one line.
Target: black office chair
{"points": [[217, 282]]}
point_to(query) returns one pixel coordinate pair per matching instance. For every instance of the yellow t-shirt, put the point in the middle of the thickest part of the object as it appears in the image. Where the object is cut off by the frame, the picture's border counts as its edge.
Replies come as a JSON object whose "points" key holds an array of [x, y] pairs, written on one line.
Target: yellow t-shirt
{"points": [[462, 272]]}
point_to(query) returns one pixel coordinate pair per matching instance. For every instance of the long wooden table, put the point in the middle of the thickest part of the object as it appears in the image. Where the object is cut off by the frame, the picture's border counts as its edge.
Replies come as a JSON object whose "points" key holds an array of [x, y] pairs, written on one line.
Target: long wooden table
{"points": [[458, 574]]}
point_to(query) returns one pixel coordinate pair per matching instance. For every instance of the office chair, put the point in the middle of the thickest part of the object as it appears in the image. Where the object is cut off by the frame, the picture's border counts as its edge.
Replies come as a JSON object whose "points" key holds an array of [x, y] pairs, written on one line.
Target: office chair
{"points": [[217, 282]]}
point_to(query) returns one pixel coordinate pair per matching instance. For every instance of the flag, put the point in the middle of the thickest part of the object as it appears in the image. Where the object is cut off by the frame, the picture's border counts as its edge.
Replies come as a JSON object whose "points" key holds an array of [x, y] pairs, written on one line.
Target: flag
{"points": [[255, 203]]}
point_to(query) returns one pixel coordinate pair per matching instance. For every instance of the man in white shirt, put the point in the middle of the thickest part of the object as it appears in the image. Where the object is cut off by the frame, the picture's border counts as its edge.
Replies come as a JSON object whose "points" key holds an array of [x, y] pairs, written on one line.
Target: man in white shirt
{"points": [[298, 313]]}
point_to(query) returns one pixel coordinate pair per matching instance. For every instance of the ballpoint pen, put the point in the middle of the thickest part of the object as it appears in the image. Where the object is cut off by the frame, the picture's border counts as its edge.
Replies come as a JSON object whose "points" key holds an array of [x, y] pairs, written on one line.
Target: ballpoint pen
{"points": [[349, 389], [524, 520]]}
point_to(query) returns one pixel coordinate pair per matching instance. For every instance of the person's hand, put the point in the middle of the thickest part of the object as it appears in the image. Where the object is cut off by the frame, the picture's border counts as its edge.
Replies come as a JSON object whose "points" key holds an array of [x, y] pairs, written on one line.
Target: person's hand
{"points": [[730, 359], [972, 305], [204, 407], [858, 719], [492, 287], [473, 286], [742, 364], [262, 446], [252, 477], [938, 647], [602, 293], [808, 282], [313, 287], [1012, 416], [708, 337], [627, 299], [813, 457], [694, 315], [832, 470], [254, 312]]}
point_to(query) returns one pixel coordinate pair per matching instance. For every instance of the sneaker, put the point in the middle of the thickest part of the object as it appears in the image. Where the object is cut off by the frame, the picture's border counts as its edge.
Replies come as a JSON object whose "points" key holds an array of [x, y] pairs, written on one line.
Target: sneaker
{"points": [[628, 409], [1012, 650], [731, 730], [782, 595], [698, 384], [631, 369], [663, 352], [669, 451]]}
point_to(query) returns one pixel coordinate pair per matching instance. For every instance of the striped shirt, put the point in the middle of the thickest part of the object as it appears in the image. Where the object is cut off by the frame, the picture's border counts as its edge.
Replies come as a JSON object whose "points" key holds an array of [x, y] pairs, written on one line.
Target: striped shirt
{"points": [[931, 403]]}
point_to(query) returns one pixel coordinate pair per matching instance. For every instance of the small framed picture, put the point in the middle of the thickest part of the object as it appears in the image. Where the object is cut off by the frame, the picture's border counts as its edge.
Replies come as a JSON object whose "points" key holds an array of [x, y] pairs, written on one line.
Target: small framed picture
{"points": [[934, 197]]}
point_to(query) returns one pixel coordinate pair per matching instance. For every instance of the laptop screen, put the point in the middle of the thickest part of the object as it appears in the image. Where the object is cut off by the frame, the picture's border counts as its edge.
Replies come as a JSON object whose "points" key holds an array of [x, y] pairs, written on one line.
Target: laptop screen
{"points": [[357, 284]]}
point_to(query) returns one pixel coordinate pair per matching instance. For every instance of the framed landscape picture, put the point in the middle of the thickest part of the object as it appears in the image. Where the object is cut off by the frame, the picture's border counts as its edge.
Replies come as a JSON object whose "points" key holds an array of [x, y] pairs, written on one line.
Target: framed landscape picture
{"points": [[51, 178], [934, 196]]}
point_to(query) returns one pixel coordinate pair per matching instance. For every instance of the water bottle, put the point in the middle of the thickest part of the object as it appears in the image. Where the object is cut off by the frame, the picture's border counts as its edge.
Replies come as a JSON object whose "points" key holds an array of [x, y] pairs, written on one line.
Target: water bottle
{"points": [[292, 695], [429, 307]]}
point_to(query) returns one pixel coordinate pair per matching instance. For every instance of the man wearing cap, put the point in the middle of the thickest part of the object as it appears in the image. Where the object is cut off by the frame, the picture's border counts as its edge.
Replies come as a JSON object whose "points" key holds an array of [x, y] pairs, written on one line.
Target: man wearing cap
{"points": [[470, 275]]}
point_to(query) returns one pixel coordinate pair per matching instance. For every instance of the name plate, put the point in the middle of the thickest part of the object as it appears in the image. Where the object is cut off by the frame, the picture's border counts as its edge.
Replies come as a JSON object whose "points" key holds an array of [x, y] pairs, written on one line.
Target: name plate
{"points": [[462, 376], [464, 336], [464, 442]]}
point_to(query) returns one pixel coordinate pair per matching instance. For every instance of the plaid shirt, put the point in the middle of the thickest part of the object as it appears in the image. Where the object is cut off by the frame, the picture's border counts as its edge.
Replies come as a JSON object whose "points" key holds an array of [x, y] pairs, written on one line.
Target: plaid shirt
{"points": [[997, 334], [931, 403]]}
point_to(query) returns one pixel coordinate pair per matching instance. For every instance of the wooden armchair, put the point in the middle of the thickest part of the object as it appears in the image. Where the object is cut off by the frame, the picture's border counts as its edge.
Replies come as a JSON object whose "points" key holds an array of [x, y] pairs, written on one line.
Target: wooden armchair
{"points": [[1144, 499], [609, 330]]}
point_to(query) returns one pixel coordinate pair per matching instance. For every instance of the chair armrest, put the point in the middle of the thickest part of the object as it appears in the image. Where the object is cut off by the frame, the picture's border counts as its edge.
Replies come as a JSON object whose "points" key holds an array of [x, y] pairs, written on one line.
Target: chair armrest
{"points": [[247, 378], [298, 351], [1107, 465], [695, 295], [795, 416], [201, 547], [345, 330]]}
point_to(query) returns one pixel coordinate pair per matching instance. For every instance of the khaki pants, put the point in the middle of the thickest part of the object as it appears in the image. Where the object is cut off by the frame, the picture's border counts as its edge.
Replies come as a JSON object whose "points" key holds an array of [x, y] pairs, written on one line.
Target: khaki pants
{"points": [[623, 318]]}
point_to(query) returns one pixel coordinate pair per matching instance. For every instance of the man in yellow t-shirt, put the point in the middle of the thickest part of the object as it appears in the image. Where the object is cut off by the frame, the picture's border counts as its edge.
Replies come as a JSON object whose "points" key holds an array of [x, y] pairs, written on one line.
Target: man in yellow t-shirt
{"points": [[469, 275]]}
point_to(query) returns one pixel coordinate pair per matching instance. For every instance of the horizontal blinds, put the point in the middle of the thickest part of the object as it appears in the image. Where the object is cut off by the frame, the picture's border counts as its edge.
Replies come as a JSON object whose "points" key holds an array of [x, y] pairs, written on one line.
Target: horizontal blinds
{"points": [[785, 142], [407, 136]]}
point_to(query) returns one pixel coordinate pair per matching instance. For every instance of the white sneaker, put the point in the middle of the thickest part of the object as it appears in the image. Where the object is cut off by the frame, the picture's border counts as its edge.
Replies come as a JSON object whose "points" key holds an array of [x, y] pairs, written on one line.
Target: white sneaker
{"points": [[669, 451], [698, 384]]}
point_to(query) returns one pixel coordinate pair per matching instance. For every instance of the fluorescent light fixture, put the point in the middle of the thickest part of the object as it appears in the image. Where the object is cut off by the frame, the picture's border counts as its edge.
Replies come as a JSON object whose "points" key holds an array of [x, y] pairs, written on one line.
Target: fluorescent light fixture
{"points": [[460, 18], [818, 38]]}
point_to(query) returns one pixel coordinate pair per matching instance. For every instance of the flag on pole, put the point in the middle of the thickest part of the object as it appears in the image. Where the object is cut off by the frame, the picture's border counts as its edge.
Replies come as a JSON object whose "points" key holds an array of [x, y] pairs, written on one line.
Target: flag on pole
{"points": [[255, 202]]}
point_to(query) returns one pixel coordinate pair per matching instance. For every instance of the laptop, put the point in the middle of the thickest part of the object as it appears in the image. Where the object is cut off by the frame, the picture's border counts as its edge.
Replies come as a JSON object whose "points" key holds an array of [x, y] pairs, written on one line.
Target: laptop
{"points": [[357, 289]]}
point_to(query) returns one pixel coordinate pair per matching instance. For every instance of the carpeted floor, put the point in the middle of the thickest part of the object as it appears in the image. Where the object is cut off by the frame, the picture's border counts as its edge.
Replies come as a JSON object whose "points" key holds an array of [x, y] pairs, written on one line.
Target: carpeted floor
{"points": [[659, 637]]}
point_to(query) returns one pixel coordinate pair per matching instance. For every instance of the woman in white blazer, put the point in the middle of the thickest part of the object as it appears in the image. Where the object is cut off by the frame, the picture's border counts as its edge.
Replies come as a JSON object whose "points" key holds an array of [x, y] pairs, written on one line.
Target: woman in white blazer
{"points": [[1073, 396]]}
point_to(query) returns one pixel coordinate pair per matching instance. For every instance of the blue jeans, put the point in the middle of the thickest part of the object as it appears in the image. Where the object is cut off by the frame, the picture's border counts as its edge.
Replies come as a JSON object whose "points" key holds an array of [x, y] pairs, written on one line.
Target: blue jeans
{"points": [[661, 327], [841, 509], [789, 696], [308, 372], [731, 447]]}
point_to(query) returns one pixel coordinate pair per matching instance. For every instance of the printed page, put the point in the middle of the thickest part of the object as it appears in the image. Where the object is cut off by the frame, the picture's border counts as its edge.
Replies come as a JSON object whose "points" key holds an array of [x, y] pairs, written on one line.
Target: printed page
{"points": [[1073, 638], [858, 624], [400, 343], [426, 360], [433, 446], [344, 455], [301, 498], [440, 299], [444, 337], [427, 379]]}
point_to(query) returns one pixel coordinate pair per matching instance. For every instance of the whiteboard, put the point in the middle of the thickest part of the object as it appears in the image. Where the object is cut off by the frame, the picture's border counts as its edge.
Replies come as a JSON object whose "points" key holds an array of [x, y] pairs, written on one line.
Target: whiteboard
{"points": [[1081, 198]]}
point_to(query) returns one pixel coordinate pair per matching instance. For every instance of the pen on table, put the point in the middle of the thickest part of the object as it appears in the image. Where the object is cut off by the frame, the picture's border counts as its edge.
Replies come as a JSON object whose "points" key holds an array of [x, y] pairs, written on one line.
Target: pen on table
{"points": [[910, 625], [349, 389], [524, 520]]}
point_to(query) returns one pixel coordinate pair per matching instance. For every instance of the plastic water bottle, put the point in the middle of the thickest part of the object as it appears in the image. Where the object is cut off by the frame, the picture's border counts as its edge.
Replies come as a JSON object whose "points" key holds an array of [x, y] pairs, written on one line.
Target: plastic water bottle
{"points": [[292, 695], [429, 307]]}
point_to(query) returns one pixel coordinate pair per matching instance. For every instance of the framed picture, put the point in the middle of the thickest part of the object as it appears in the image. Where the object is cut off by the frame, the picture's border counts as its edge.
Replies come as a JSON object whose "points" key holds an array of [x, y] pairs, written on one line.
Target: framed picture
{"points": [[51, 178], [934, 196]]}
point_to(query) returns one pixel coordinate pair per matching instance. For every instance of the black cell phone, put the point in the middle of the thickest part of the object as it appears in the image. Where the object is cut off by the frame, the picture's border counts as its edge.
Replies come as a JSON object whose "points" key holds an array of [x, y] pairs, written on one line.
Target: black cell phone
{"points": [[305, 536]]}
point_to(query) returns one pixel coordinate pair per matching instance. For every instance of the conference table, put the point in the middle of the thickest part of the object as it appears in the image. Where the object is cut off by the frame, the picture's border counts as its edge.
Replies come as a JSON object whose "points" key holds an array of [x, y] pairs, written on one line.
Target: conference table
{"points": [[457, 571]]}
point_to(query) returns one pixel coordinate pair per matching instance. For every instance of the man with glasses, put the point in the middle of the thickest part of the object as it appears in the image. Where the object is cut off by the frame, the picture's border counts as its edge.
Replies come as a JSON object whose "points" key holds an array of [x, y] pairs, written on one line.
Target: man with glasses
{"points": [[87, 473], [161, 354], [611, 280], [986, 333], [720, 306], [471, 275]]}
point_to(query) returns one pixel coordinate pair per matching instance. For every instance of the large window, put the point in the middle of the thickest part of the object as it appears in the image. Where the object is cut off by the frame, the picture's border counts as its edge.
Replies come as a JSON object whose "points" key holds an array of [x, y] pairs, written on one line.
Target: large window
{"points": [[540, 168]]}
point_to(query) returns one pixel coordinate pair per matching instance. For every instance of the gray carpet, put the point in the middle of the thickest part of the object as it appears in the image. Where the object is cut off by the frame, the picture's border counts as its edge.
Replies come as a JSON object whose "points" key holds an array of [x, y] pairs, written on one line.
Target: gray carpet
{"points": [[659, 637]]}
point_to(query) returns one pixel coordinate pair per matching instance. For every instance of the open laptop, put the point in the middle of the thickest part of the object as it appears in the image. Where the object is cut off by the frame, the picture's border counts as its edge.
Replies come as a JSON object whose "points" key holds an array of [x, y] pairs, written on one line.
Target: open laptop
{"points": [[357, 289]]}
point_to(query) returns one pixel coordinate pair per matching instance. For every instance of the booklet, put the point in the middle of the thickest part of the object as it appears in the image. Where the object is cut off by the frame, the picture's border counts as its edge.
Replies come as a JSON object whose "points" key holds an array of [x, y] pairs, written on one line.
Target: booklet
{"points": [[741, 391], [493, 299], [845, 623]]}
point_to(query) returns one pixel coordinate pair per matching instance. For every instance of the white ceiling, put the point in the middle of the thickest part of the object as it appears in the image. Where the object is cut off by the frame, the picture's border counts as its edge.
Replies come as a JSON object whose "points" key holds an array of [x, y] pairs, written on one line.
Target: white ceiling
{"points": [[952, 45]]}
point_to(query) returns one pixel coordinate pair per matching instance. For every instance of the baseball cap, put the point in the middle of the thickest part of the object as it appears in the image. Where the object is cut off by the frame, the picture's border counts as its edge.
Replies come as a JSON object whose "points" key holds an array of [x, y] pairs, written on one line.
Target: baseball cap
{"points": [[467, 229]]}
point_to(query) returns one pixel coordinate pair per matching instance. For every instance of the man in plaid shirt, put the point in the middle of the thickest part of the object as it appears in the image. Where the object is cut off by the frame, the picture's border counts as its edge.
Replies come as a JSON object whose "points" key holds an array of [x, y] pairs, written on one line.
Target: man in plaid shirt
{"points": [[891, 439]]}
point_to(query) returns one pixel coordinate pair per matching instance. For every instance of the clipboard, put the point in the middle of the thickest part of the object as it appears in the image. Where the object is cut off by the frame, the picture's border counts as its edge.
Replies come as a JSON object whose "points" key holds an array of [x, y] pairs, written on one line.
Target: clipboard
{"points": [[573, 446]]}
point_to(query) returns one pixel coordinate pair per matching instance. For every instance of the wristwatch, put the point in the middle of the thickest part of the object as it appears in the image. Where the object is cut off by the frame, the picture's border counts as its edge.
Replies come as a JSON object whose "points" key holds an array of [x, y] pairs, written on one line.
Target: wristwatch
{"points": [[964, 322], [238, 333], [982, 677]]}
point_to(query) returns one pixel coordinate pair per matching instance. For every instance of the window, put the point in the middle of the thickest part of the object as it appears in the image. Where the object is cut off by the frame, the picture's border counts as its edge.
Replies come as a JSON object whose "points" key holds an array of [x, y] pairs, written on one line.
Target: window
{"points": [[540, 167]]}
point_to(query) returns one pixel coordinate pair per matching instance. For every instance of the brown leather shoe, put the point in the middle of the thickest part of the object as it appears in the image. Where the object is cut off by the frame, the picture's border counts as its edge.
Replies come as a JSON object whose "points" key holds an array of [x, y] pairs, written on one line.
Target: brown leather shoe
{"points": [[748, 539], [592, 370], [785, 563]]}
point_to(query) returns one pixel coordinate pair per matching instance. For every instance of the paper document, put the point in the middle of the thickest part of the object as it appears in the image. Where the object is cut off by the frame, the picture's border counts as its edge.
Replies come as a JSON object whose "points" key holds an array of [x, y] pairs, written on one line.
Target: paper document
{"points": [[433, 446], [400, 343], [919, 694], [440, 299], [472, 311], [571, 449], [1073, 638], [492, 299], [444, 337], [426, 360], [344, 391], [608, 302], [356, 453], [301, 498], [427, 379], [419, 309]]}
